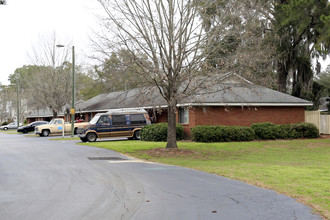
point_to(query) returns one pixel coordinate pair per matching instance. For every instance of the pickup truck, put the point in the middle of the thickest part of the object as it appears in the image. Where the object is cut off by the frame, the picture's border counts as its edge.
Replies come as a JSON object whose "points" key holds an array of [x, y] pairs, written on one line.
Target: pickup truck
{"points": [[56, 126]]}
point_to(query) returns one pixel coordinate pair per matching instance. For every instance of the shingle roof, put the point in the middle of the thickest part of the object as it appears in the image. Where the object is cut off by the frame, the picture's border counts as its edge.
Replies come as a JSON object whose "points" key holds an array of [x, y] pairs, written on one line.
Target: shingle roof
{"points": [[232, 91]]}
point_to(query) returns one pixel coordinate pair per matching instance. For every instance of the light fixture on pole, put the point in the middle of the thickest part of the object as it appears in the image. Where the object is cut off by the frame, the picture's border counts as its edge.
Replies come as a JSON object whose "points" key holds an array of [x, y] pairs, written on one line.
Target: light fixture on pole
{"points": [[73, 90]]}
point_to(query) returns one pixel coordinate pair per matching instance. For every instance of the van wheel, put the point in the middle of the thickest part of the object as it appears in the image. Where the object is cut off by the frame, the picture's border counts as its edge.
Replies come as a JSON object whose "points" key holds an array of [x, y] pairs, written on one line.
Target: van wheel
{"points": [[137, 135], [75, 131], [45, 133], [91, 137], [83, 139]]}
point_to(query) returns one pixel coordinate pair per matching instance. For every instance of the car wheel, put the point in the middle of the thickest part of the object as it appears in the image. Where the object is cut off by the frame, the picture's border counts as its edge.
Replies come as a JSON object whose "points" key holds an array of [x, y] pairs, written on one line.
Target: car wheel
{"points": [[75, 131], [91, 137], [5, 128], [45, 133], [137, 135], [25, 131]]}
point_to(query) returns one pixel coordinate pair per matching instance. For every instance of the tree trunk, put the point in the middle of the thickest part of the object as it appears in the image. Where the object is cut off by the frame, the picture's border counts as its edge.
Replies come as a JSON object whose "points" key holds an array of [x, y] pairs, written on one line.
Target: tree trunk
{"points": [[54, 114], [282, 75], [171, 131]]}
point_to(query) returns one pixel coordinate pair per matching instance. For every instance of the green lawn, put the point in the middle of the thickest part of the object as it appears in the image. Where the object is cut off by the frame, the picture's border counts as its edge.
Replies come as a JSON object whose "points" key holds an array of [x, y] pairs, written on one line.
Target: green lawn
{"points": [[297, 168], [9, 131]]}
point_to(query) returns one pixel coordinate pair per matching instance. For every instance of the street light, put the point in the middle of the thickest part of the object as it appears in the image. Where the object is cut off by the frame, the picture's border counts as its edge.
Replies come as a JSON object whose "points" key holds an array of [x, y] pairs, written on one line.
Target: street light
{"points": [[73, 90]]}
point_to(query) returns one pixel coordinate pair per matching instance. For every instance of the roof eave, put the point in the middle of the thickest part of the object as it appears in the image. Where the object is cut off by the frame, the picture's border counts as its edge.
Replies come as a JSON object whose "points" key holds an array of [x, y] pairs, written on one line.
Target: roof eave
{"points": [[247, 104]]}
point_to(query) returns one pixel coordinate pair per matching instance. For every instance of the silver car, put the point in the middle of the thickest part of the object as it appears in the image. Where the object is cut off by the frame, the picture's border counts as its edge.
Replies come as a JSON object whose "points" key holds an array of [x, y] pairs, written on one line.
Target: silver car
{"points": [[12, 125]]}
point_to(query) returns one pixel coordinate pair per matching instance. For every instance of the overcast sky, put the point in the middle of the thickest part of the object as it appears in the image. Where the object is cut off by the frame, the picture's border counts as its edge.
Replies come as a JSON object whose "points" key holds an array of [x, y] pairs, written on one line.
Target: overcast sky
{"points": [[23, 22]]}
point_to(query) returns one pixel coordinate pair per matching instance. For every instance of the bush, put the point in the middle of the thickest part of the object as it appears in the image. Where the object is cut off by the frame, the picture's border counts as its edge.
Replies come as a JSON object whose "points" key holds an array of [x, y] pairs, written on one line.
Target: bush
{"points": [[222, 133], [5, 123], [268, 130], [158, 132], [306, 130]]}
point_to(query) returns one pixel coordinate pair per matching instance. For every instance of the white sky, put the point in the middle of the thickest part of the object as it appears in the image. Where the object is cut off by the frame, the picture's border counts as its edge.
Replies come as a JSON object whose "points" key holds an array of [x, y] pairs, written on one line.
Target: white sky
{"points": [[23, 22]]}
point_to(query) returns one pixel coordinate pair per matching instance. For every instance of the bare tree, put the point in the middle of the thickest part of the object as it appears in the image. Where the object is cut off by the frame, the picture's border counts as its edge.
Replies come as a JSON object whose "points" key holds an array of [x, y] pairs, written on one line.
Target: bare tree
{"points": [[172, 36], [50, 83]]}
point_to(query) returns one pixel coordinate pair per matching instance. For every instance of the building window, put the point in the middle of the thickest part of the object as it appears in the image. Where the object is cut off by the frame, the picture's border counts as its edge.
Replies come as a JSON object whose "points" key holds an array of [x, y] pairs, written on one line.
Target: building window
{"points": [[184, 115]]}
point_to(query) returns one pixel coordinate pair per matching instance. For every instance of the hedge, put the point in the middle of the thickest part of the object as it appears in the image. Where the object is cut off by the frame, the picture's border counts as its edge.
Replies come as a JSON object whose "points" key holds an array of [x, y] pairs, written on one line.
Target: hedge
{"points": [[262, 131], [267, 130], [222, 133], [158, 132]]}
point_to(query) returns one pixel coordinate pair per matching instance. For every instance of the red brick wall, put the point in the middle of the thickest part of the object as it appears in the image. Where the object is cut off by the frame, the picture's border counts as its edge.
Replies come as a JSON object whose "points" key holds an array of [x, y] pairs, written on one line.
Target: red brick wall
{"points": [[244, 116]]}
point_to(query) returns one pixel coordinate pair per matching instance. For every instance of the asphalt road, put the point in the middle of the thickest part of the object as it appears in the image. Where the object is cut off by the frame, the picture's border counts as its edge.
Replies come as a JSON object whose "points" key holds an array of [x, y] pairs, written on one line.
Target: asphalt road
{"points": [[43, 179]]}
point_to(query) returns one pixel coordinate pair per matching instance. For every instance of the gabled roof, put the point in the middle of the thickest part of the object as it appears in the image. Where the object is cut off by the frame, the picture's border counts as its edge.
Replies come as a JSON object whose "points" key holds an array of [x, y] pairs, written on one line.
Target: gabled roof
{"points": [[233, 90]]}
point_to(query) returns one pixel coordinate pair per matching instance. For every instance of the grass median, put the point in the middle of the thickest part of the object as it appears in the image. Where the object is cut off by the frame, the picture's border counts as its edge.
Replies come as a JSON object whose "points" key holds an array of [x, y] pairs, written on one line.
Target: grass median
{"points": [[297, 168]]}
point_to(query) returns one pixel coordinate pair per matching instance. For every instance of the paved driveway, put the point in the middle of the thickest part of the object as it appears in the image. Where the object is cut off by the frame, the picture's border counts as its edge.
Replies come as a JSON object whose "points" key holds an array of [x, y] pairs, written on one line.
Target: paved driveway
{"points": [[42, 179]]}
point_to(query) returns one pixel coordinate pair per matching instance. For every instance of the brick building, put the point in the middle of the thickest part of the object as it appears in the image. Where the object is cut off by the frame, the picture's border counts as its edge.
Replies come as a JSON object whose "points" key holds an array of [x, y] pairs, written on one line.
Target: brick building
{"points": [[234, 101]]}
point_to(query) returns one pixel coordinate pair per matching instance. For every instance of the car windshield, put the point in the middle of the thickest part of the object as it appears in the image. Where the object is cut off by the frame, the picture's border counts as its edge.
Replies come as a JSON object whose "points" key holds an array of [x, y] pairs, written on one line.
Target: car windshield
{"points": [[94, 119], [51, 122]]}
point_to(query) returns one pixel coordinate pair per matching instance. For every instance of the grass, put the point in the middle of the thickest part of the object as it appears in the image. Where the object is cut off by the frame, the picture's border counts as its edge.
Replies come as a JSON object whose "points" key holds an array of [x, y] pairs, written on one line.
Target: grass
{"points": [[297, 168], [9, 131]]}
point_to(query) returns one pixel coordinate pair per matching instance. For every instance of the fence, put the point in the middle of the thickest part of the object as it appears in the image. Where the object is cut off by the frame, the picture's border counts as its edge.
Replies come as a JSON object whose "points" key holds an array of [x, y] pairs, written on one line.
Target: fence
{"points": [[322, 122]]}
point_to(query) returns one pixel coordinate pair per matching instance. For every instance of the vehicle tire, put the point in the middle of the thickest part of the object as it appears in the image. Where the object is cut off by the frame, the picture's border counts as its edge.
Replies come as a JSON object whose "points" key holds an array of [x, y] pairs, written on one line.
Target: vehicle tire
{"points": [[5, 128], [91, 137], [137, 135], [83, 139], [75, 131], [45, 133], [25, 131]]}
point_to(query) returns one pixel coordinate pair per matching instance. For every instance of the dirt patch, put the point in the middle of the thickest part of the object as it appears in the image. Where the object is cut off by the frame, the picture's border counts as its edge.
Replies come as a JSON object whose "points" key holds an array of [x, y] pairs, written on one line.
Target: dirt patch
{"points": [[168, 152], [187, 153], [324, 136]]}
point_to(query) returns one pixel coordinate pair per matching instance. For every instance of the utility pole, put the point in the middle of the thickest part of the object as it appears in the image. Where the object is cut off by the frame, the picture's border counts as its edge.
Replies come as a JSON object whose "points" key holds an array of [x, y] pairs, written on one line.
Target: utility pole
{"points": [[73, 94], [18, 102]]}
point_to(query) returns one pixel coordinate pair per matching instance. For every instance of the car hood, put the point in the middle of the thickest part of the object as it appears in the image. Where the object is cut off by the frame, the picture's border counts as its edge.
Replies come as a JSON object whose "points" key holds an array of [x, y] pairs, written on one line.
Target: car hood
{"points": [[42, 126], [22, 127]]}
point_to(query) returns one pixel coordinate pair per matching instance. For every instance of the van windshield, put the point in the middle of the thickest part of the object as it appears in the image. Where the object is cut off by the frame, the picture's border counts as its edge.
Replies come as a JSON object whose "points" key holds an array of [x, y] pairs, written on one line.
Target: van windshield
{"points": [[94, 119]]}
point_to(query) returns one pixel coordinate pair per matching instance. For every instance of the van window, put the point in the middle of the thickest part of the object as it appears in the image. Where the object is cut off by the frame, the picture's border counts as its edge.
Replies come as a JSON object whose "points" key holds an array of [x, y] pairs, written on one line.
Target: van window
{"points": [[137, 119], [118, 120], [104, 120]]}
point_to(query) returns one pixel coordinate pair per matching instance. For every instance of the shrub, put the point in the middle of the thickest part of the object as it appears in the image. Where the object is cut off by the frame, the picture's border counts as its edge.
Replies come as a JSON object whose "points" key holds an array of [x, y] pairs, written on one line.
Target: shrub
{"points": [[222, 133], [306, 130], [158, 132], [5, 123], [267, 130]]}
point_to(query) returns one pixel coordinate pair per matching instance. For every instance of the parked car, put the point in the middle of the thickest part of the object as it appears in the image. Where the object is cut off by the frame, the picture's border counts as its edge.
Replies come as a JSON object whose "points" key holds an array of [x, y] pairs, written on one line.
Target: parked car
{"points": [[56, 127], [115, 123], [12, 125], [30, 127]]}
